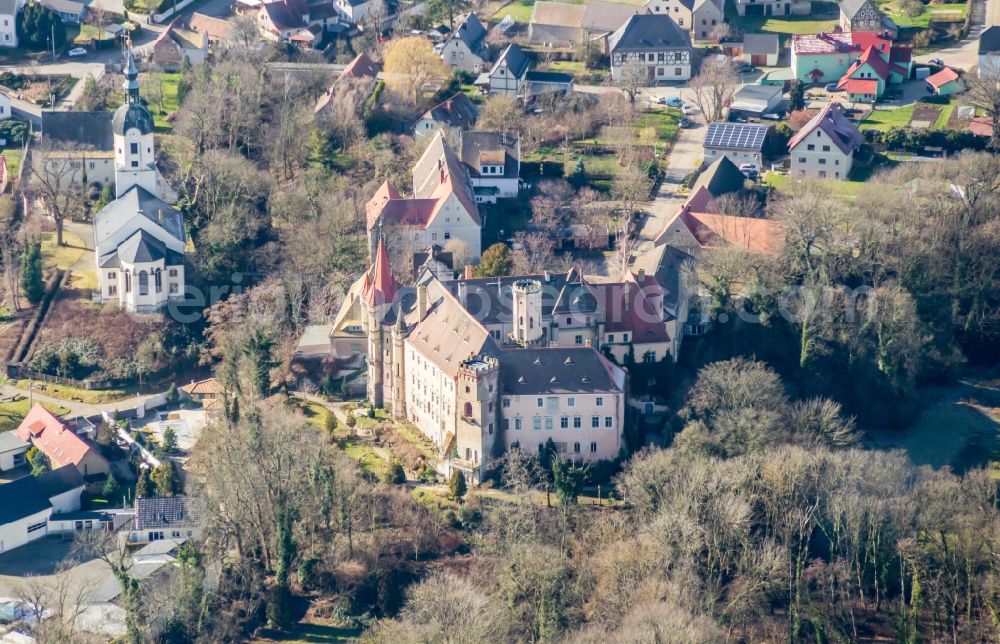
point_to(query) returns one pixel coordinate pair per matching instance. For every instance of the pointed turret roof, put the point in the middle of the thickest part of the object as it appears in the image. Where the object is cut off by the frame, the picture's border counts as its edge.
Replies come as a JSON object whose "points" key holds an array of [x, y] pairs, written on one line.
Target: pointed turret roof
{"points": [[132, 114], [381, 289]]}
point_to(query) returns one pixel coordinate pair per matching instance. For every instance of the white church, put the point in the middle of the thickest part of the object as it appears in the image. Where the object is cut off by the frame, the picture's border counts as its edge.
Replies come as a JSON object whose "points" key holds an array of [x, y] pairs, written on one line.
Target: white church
{"points": [[138, 237]]}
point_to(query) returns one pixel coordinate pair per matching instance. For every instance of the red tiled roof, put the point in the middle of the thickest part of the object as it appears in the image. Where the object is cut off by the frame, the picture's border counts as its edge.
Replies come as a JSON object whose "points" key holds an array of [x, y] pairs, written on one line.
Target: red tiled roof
{"points": [[381, 287], [203, 387], [981, 126], [859, 85], [361, 67], [628, 308], [864, 39], [59, 443], [942, 78]]}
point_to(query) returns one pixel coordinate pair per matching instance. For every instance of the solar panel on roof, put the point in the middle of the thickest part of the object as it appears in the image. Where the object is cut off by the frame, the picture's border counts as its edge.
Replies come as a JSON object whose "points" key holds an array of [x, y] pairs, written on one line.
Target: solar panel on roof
{"points": [[735, 135]]}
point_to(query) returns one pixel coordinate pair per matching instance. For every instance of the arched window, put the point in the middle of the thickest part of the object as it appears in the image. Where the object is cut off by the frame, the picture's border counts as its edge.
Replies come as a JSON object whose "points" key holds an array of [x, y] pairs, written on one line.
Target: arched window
{"points": [[468, 410], [158, 281], [143, 283], [128, 281]]}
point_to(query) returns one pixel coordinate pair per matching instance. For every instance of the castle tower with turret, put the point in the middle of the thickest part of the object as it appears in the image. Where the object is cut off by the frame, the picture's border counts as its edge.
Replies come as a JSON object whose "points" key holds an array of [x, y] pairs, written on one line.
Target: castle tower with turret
{"points": [[379, 294], [477, 428]]}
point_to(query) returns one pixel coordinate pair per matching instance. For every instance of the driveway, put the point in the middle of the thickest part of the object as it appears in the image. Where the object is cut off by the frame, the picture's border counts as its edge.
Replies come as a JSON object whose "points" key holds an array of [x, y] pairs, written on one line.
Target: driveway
{"points": [[965, 53], [682, 160]]}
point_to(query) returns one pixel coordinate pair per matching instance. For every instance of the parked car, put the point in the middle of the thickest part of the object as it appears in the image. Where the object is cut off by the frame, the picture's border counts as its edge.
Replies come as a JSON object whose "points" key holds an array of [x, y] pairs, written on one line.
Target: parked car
{"points": [[684, 122], [671, 101], [832, 87], [750, 171], [687, 109], [773, 116], [77, 51], [937, 61], [745, 68]]}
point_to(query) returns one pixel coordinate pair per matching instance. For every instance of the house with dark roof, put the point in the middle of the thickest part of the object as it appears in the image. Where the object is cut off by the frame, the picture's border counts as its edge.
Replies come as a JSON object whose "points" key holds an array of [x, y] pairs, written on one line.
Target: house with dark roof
{"points": [[452, 116], [825, 146], [574, 396], [651, 47], [74, 146], [865, 15], [508, 74], [739, 142], [989, 52], [493, 161], [761, 49], [28, 504], [61, 445], [166, 517], [700, 18], [773, 7], [722, 176], [465, 47]]}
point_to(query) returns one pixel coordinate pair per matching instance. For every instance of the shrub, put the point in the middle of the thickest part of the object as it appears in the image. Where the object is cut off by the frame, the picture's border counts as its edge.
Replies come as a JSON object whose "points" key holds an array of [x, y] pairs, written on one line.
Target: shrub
{"points": [[67, 358], [457, 486], [395, 474], [31, 273], [172, 394], [14, 132], [36, 25], [279, 607]]}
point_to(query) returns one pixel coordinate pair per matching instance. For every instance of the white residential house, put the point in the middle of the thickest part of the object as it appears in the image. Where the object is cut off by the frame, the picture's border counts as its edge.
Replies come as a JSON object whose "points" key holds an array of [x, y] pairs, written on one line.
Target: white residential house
{"points": [[139, 237], [508, 74], [12, 451], [465, 47], [825, 146], [28, 504], [165, 517], [5, 107], [8, 22], [989, 52], [653, 46], [442, 208], [493, 161], [699, 17]]}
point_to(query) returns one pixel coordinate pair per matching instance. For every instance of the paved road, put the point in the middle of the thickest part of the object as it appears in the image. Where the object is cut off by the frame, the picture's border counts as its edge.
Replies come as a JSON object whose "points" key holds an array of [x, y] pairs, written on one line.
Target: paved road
{"points": [[965, 53]]}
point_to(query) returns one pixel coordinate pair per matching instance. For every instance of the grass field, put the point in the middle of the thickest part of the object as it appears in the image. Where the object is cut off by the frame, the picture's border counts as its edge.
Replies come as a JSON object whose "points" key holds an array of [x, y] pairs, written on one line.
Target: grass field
{"points": [[848, 190], [923, 19], [885, 119], [785, 26], [88, 396], [166, 84], [12, 413], [519, 10], [13, 157], [62, 256], [313, 632], [959, 428]]}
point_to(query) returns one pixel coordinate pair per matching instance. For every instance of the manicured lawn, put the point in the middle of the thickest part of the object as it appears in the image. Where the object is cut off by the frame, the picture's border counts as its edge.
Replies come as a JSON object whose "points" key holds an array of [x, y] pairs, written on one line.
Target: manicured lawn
{"points": [[848, 190], [885, 119], [665, 121], [62, 256], [365, 456], [12, 413]]}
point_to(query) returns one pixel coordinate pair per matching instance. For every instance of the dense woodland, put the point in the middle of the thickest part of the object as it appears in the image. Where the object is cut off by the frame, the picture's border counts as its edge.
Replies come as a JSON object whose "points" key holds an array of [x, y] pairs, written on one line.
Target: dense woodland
{"points": [[765, 519]]}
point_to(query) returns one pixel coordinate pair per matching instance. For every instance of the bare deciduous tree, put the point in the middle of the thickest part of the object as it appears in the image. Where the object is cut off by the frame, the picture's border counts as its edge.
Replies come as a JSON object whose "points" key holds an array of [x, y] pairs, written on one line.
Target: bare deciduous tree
{"points": [[714, 86], [983, 92]]}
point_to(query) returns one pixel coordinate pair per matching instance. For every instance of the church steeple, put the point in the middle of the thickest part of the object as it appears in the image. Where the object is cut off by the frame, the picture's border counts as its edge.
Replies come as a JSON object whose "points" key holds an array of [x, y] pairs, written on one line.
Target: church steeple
{"points": [[131, 83]]}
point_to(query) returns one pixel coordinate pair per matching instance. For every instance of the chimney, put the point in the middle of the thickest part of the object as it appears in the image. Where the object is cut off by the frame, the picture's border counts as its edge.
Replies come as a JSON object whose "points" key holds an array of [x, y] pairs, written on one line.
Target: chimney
{"points": [[547, 277], [462, 289], [159, 216], [642, 276], [628, 294], [468, 272], [421, 301]]}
